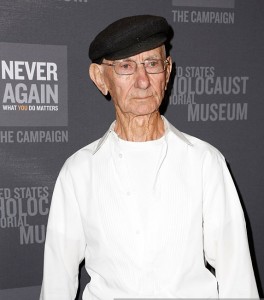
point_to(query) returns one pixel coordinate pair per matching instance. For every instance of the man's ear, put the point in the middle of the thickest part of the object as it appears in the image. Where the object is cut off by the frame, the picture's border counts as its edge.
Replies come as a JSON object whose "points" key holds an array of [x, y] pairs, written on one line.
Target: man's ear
{"points": [[97, 77], [168, 71]]}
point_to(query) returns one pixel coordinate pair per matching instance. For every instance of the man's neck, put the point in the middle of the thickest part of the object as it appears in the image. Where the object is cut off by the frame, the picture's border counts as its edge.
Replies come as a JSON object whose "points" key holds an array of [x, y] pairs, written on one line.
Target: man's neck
{"points": [[139, 128]]}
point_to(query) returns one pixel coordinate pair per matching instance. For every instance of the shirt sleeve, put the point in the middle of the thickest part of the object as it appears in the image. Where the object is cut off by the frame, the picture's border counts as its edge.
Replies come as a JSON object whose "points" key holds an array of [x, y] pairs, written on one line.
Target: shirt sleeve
{"points": [[225, 235], [65, 243]]}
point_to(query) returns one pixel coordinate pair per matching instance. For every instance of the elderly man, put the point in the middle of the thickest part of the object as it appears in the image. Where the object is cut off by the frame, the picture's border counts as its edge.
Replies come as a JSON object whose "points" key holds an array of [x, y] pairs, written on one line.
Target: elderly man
{"points": [[146, 206]]}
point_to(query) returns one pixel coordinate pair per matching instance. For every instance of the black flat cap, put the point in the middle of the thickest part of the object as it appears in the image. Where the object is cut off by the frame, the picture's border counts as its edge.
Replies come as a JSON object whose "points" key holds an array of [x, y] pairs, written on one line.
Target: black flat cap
{"points": [[129, 36]]}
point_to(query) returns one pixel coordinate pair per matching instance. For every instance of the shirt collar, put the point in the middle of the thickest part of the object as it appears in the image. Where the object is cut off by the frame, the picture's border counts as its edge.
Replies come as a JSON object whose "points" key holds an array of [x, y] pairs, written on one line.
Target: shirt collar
{"points": [[168, 128]]}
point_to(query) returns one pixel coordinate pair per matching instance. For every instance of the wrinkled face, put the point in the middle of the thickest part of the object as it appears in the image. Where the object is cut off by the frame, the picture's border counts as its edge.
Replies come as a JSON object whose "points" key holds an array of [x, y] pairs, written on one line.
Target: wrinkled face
{"points": [[140, 93]]}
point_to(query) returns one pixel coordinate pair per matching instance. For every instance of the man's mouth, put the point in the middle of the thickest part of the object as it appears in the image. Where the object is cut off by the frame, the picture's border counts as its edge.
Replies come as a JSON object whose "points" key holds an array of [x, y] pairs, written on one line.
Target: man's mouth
{"points": [[142, 97]]}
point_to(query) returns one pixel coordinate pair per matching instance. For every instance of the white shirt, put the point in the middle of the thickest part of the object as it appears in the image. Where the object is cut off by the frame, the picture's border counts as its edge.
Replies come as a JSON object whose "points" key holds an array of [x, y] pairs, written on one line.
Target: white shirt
{"points": [[147, 240], [142, 161]]}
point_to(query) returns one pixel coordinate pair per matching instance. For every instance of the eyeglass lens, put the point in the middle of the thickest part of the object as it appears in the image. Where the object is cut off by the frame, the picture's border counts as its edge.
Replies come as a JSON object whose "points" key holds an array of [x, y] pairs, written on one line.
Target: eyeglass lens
{"points": [[128, 67]]}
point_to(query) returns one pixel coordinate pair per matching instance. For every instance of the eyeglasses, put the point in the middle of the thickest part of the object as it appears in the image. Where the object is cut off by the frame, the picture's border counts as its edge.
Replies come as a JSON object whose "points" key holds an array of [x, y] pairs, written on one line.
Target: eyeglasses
{"points": [[129, 67]]}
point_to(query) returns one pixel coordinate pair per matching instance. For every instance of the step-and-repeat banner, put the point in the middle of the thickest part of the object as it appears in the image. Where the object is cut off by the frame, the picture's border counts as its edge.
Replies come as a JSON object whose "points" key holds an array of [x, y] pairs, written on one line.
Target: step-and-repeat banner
{"points": [[49, 108]]}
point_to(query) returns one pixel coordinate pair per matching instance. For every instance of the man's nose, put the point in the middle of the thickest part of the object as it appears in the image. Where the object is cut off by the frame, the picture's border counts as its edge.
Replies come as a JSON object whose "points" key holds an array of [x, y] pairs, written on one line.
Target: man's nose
{"points": [[141, 77]]}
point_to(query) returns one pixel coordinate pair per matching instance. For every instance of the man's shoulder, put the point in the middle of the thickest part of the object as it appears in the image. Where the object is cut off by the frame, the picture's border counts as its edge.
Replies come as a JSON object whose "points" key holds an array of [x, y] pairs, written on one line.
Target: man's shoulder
{"points": [[202, 147], [82, 156], [195, 144]]}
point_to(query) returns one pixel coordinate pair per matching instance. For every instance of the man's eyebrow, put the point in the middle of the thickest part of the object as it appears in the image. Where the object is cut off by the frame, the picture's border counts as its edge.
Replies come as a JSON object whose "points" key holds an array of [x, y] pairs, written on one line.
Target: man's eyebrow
{"points": [[154, 56]]}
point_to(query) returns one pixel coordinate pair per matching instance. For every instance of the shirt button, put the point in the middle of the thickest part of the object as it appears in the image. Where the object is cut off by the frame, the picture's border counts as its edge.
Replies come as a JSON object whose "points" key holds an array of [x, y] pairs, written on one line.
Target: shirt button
{"points": [[128, 193], [137, 231], [120, 155]]}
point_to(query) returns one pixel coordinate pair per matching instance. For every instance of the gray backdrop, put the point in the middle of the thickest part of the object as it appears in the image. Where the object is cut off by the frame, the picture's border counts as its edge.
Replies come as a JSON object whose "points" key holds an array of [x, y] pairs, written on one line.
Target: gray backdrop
{"points": [[49, 108]]}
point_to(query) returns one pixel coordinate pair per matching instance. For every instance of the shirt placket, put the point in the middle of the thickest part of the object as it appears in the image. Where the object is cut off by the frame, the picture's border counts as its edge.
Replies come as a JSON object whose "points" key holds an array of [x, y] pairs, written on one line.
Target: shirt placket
{"points": [[131, 209], [143, 240]]}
